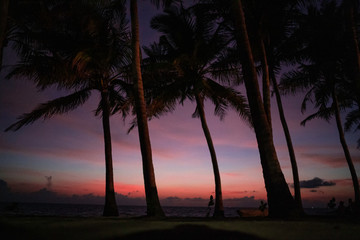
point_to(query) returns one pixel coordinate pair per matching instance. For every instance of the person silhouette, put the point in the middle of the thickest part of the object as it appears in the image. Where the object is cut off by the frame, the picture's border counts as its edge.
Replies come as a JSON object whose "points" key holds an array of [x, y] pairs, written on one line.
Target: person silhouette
{"points": [[211, 203]]}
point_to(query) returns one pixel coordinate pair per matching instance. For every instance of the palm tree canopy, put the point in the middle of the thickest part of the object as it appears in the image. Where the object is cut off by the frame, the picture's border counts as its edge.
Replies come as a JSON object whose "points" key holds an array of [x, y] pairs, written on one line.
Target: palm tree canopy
{"points": [[321, 60], [187, 60], [91, 53]]}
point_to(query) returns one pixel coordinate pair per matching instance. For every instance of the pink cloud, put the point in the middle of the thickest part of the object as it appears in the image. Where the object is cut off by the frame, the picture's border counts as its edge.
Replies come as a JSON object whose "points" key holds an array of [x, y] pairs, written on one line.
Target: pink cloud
{"points": [[232, 174], [332, 160]]}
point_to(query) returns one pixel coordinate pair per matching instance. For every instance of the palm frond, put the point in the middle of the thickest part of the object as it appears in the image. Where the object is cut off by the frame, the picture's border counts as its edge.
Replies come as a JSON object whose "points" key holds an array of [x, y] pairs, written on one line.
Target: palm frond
{"points": [[324, 113], [352, 120], [224, 97], [47, 110], [165, 3]]}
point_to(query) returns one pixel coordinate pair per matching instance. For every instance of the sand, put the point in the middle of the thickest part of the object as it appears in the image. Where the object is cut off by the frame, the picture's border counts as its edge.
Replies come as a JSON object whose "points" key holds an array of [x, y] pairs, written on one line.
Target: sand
{"points": [[22, 227]]}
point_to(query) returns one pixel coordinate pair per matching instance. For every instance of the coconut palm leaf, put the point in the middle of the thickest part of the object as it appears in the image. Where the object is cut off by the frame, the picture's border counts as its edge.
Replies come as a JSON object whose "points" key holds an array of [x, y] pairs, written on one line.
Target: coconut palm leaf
{"points": [[353, 120], [223, 96], [47, 110]]}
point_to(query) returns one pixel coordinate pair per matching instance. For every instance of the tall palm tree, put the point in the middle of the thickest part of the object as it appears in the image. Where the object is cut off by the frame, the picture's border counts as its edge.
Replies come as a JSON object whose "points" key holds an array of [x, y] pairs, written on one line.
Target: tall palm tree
{"points": [[351, 21], [190, 48], [280, 200], [96, 47], [152, 198], [322, 72], [270, 24], [350, 14], [4, 9]]}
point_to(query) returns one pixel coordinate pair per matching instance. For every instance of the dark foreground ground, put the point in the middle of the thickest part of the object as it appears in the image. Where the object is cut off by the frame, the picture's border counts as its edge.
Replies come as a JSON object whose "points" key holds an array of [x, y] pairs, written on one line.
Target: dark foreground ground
{"points": [[252, 228]]}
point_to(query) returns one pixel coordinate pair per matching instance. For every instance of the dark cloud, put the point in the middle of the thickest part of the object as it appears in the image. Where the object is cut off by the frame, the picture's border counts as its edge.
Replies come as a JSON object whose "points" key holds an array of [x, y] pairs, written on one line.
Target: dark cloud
{"points": [[47, 196], [172, 199], [4, 188], [201, 202], [244, 202], [315, 183], [333, 160], [177, 201]]}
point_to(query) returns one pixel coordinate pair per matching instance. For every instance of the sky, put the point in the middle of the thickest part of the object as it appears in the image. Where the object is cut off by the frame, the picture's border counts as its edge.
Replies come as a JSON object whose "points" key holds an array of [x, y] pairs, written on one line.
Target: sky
{"points": [[62, 159]]}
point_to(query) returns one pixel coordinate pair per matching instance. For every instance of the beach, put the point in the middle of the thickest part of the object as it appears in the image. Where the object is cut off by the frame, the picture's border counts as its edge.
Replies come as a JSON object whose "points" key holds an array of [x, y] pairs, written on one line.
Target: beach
{"points": [[47, 227]]}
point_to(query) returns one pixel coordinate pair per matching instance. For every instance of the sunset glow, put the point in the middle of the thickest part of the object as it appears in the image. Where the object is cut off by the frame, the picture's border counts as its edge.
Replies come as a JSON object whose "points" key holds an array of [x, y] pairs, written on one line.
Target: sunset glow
{"points": [[70, 149]]}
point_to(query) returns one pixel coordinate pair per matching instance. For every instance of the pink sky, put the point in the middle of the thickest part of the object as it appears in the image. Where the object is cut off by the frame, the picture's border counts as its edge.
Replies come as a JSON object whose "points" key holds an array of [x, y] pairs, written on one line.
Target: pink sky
{"points": [[70, 149]]}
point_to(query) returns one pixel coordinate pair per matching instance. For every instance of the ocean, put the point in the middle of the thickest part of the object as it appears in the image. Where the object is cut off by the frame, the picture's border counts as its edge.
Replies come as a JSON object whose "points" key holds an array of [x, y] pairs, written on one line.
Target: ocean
{"points": [[84, 210]]}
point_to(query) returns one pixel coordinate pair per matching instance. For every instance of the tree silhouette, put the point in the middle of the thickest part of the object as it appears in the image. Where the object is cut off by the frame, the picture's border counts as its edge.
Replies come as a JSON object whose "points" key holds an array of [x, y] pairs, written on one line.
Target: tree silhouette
{"points": [[4, 9], [280, 200], [187, 59], [321, 73], [81, 57], [152, 199], [270, 23]]}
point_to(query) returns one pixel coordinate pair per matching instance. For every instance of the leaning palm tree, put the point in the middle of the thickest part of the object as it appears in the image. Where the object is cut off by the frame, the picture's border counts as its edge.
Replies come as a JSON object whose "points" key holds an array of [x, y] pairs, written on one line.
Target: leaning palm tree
{"points": [[96, 49], [322, 72], [270, 24], [190, 49], [280, 200]]}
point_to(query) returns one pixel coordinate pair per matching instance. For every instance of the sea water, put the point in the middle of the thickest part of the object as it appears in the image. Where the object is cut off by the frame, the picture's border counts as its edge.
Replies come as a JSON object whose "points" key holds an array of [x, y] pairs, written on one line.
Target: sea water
{"points": [[84, 210], [87, 210]]}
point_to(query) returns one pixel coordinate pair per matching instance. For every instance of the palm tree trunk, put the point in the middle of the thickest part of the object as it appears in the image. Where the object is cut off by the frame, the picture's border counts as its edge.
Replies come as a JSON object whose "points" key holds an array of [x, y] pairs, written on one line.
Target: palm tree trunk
{"points": [[266, 82], [346, 150], [4, 8], [288, 142], [110, 208], [351, 26], [152, 198], [219, 207], [280, 200]]}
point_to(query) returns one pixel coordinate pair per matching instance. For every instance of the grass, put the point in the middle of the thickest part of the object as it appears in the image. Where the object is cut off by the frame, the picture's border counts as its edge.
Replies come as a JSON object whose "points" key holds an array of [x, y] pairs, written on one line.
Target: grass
{"points": [[15, 227]]}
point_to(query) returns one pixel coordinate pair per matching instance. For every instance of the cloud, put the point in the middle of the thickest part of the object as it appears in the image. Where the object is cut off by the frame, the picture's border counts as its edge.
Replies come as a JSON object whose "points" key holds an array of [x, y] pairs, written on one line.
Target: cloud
{"points": [[201, 202], [45, 195], [330, 155], [4, 188], [244, 202], [315, 183], [232, 174]]}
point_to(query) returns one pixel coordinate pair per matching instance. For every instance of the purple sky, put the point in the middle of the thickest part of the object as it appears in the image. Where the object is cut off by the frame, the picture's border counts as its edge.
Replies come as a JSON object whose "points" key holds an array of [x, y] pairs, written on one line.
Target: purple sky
{"points": [[70, 149]]}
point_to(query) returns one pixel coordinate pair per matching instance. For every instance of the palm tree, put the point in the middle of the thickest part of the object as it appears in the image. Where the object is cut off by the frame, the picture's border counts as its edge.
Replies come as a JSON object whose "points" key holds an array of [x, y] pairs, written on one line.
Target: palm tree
{"points": [[351, 32], [189, 50], [322, 72], [152, 198], [4, 9], [280, 200], [270, 24], [95, 52], [350, 15]]}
